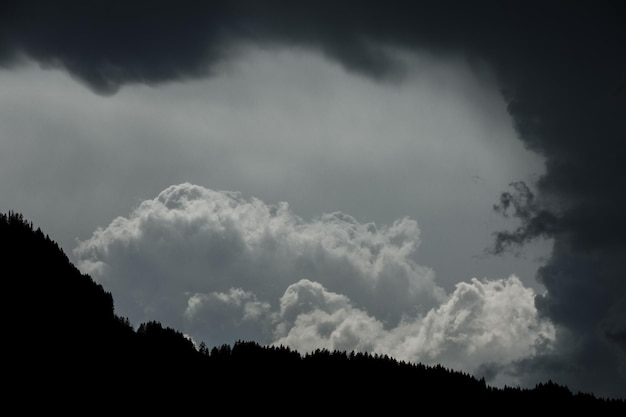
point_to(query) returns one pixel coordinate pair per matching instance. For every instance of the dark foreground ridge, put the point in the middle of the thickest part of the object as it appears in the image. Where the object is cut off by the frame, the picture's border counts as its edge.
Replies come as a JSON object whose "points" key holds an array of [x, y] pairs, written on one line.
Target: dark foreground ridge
{"points": [[66, 349]]}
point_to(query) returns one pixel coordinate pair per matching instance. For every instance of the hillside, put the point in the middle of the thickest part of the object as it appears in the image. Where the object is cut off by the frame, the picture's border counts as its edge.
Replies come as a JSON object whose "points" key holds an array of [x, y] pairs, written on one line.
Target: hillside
{"points": [[66, 348]]}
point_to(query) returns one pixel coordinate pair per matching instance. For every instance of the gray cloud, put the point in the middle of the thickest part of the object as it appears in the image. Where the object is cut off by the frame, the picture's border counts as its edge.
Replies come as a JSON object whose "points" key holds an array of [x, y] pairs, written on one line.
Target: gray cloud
{"points": [[221, 267], [107, 44], [567, 108], [110, 43], [536, 221], [283, 125]]}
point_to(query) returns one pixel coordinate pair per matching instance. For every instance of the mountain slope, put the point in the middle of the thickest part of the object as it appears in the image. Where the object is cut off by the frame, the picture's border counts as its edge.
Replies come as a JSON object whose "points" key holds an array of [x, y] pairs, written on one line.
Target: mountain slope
{"points": [[65, 348]]}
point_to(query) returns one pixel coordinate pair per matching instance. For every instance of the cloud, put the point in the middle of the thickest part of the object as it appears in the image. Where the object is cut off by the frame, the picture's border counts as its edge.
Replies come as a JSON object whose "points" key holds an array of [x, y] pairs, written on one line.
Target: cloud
{"points": [[213, 241], [536, 221], [575, 123], [112, 43], [280, 124], [311, 317], [228, 316], [216, 240], [221, 267], [482, 321]]}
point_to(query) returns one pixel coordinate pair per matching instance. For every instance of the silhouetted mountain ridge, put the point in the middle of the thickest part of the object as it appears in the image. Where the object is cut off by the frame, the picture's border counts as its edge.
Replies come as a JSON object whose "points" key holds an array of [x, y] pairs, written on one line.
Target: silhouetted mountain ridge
{"points": [[64, 342]]}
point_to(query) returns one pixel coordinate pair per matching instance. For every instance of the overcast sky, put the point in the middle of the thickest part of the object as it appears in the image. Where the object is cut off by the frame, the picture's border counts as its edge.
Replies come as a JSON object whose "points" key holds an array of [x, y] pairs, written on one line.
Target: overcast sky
{"points": [[441, 183]]}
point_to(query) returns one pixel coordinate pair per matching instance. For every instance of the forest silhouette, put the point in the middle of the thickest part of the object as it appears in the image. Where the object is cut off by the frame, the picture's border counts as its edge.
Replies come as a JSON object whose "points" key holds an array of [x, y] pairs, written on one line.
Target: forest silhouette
{"points": [[66, 349]]}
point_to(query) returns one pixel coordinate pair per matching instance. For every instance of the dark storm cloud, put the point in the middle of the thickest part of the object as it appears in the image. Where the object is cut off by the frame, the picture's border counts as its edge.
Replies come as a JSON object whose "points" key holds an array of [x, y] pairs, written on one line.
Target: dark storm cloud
{"points": [[568, 107], [107, 44], [561, 66], [110, 43], [522, 204]]}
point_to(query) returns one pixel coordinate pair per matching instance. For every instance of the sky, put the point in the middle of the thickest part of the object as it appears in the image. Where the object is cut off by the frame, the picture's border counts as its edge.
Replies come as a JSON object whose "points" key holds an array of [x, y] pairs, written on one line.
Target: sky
{"points": [[436, 181]]}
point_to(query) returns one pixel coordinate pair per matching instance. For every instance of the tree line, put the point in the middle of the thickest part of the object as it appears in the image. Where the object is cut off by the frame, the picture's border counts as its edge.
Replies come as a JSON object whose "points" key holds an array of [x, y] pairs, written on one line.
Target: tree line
{"points": [[65, 346]]}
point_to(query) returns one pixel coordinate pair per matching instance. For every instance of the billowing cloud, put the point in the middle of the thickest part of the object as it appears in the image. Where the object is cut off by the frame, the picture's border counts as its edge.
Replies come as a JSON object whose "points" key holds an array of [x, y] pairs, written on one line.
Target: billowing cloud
{"points": [[481, 322], [221, 268], [213, 241], [312, 317]]}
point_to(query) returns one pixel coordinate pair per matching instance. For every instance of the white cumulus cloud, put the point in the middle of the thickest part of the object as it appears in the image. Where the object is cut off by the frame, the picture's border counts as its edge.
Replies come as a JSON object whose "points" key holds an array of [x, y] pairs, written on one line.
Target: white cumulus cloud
{"points": [[222, 268], [482, 321], [193, 240]]}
